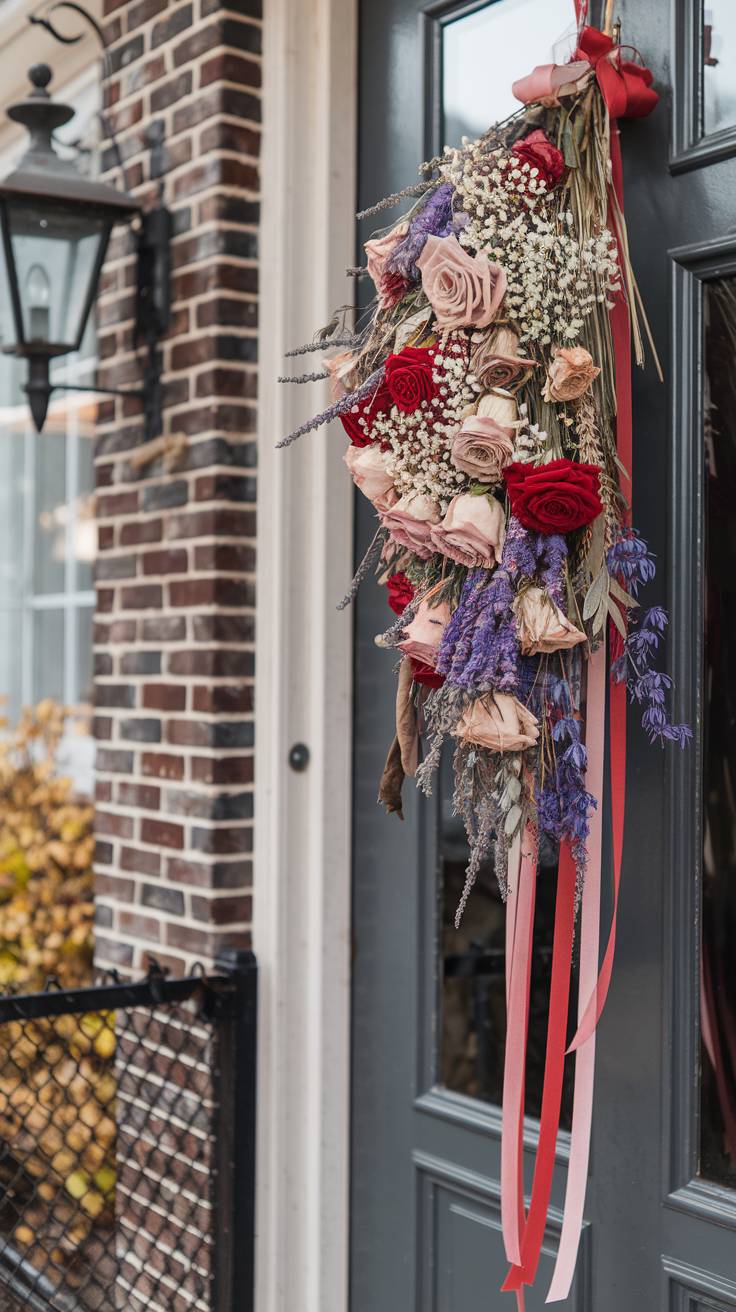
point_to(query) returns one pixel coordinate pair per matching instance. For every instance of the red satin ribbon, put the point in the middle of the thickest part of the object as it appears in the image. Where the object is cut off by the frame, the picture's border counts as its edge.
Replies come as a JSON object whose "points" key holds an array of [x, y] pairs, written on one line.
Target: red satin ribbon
{"points": [[625, 85], [627, 90], [554, 1069]]}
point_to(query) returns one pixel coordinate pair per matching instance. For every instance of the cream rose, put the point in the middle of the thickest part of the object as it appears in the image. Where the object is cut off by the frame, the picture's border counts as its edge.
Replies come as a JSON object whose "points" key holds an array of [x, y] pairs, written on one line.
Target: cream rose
{"points": [[481, 448], [424, 633], [495, 360], [367, 464], [464, 290], [410, 521], [340, 368], [378, 251], [472, 532], [542, 625], [570, 374], [498, 722]]}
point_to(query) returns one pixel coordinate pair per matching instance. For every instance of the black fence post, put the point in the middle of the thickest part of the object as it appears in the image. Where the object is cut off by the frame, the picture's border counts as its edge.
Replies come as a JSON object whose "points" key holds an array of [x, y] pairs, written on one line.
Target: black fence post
{"points": [[235, 1149]]}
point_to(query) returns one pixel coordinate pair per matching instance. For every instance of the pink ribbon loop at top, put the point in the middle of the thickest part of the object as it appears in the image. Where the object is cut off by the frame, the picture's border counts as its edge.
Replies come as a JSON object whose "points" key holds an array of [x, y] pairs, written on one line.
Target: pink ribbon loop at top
{"points": [[626, 86]]}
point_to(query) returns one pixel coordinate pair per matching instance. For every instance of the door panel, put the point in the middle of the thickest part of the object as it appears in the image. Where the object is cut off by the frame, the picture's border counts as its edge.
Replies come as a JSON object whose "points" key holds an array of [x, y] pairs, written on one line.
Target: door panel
{"points": [[428, 1003]]}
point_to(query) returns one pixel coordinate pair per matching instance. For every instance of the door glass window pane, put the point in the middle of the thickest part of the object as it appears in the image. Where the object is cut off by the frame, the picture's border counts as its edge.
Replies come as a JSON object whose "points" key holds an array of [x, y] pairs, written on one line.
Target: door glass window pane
{"points": [[719, 65], [718, 978], [488, 49], [473, 1033]]}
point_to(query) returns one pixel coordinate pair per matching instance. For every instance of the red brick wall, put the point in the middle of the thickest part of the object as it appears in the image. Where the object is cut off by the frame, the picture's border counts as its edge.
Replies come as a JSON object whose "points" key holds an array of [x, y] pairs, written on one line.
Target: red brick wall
{"points": [[175, 577]]}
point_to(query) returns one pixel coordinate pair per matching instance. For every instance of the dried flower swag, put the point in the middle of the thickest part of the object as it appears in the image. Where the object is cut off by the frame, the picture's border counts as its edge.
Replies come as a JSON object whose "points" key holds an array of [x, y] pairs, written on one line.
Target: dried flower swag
{"points": [[480, 404]]}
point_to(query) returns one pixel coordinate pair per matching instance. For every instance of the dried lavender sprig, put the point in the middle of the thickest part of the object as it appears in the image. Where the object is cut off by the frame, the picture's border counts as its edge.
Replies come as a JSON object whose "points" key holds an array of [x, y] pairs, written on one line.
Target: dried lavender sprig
{"points": [[316, 377], [417, 189], [336, 409], [364, 567], [347, 339]]}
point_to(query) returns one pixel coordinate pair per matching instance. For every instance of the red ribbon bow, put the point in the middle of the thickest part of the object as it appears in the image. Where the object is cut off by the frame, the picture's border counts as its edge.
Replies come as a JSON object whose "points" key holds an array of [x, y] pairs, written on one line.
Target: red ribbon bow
{"points": [[625, 85]]}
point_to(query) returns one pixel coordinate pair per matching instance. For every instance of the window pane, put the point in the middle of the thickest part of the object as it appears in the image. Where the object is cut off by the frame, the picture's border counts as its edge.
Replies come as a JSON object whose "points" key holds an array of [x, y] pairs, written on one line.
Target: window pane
{"points": [[10, 664], [11, 514], [49, 553], [719, 66], [473, 1033], [718, 996], [48, 655], [484, 52], [84, 690]]}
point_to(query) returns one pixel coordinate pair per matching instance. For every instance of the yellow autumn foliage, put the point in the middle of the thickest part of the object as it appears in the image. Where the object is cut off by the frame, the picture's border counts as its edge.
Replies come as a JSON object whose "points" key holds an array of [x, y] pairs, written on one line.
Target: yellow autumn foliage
{"points": [[46, 849], [57, 1076]]}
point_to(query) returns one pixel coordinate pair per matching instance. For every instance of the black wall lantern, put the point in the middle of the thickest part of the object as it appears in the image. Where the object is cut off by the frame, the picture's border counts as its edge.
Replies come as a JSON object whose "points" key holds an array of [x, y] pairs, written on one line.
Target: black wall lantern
{"points": [[56, 225]]}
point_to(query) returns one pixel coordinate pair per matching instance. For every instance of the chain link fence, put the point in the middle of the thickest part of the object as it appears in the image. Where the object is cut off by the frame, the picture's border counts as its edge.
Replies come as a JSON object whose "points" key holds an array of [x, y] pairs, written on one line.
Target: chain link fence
{"points": [[127, 1123]]}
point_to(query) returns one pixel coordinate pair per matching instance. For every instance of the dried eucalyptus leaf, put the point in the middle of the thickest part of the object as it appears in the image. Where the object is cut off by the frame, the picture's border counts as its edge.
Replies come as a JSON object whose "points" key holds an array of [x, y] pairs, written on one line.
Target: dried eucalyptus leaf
{"points": [[624, 597], [617, 617], [596, 595], [512, 821], [513, 788], [600, 617]]}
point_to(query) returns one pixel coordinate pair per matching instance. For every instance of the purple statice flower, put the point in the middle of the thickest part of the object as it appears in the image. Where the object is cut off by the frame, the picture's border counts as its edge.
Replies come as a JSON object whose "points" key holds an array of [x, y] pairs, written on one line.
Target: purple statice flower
{"points": [[552, 554], [433, 220], [630, 562], [564, 804], [480, 647], [632, 565], [457, 637]]}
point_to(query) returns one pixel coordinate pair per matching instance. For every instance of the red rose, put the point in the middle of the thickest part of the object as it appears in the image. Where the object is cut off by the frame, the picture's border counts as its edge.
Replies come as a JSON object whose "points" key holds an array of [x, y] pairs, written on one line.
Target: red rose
{"points": [[409, 377], [400, 592], [426, 674], [538, 152], [554, 498], [358, 422]]}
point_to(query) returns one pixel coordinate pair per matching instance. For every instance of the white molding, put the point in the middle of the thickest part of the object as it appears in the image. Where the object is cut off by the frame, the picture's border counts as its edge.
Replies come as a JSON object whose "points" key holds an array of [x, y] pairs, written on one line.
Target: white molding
{"points": [[303, 678]]}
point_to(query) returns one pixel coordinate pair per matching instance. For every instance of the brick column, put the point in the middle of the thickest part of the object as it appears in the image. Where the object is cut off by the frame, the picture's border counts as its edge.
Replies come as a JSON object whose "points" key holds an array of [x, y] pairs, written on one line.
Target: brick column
{"points": [[175, 576]]}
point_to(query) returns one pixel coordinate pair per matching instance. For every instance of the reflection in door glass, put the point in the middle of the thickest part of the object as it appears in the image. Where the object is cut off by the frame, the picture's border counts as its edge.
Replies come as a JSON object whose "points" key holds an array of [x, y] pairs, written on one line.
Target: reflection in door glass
{"points": [[719, 70], [718, 980], [487, 50]]}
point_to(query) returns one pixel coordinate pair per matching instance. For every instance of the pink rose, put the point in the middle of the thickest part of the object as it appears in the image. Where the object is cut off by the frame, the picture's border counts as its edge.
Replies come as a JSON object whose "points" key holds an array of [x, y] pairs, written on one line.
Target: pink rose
{"points": [[390, 287], [570, 374], [340, 369], [481, 448], [410, 521], [495, 360], [498, 722], [464, 290], [542, 625], [424, 633], [367, 464], [472, 532]]}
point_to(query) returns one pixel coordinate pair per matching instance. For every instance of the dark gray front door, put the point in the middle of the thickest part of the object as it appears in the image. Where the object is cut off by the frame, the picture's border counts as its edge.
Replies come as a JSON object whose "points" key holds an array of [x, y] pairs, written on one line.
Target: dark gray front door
{"points": [[428, 1011]]}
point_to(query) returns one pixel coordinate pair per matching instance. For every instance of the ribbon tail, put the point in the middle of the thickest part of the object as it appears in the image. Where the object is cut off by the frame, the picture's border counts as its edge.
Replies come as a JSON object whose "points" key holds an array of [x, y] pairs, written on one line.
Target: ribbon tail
{"points": [[621, 331], [582, 1115], [518, 997], [524, 1273]]}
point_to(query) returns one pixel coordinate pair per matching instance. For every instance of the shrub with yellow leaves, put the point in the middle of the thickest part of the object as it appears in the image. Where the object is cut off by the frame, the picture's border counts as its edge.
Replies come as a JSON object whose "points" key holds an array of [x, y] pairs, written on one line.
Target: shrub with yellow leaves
{"points": [[57, 1076], [46, 848]]}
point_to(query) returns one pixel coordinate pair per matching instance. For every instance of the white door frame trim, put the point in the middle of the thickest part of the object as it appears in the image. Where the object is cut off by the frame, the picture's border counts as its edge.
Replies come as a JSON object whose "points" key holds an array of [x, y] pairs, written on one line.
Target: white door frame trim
{"points": [[301, 925]]}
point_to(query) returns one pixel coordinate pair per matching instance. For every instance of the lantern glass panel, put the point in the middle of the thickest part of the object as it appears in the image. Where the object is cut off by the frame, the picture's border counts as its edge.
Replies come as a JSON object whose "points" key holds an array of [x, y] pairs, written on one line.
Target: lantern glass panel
{"points": [[56, 251]]}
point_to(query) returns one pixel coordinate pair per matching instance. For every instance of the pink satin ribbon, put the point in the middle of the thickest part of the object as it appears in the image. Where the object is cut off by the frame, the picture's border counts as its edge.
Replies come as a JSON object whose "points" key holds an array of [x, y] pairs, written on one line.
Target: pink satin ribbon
{"points": [[519, 913], [582, 1115]]}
